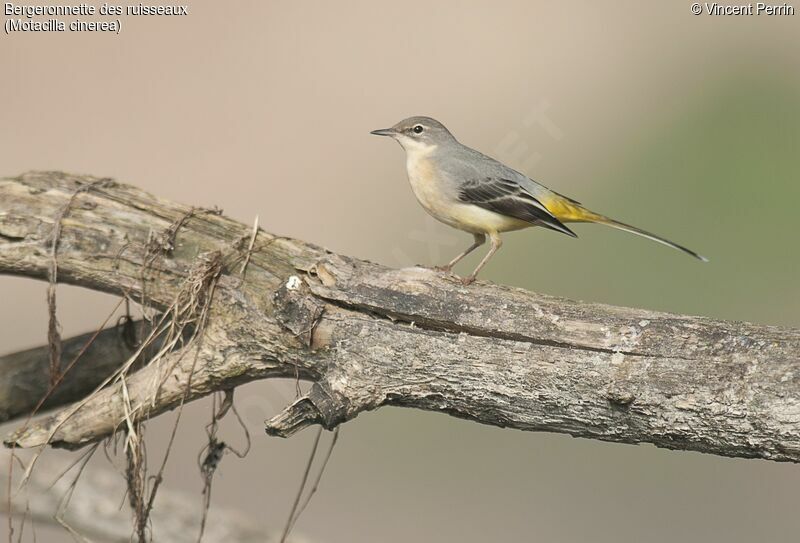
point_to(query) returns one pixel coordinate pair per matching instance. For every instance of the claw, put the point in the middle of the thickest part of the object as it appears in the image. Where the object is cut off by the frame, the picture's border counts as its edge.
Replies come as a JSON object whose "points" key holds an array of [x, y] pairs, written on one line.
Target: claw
{"points": [[468, 280]]}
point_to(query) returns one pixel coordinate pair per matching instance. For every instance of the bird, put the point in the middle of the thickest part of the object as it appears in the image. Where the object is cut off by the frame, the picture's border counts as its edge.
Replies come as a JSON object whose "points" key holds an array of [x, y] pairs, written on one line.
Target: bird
{"points": [[467, 190]]}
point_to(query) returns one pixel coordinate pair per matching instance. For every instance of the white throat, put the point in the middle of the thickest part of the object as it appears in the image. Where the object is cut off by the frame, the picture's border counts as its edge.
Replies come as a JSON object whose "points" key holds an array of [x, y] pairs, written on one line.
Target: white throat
{"points": [[416, 150]]}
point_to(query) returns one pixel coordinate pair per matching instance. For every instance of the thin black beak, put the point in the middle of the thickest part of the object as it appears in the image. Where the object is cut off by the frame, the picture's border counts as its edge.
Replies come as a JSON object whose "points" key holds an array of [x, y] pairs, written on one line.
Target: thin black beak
{"points": [[384, 132]]}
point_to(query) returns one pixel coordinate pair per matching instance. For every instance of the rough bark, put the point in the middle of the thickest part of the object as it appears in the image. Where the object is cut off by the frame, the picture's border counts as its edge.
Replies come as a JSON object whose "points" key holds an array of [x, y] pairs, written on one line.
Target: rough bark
{"points": [[369, 336]]}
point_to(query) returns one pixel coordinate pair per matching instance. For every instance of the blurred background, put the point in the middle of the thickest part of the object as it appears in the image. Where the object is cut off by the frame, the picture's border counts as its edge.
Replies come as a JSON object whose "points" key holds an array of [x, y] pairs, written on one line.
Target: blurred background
{"points": [[685, 125]]}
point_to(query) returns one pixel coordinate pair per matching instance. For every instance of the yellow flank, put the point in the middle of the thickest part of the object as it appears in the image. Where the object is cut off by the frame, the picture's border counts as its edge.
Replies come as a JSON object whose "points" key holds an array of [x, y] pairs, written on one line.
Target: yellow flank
{"points": [[567, 211]]}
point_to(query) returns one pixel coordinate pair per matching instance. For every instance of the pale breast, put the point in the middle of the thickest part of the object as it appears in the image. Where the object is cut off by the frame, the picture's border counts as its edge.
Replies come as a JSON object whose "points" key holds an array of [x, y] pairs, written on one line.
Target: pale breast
{"points": [[440, 199], [428, 187]]}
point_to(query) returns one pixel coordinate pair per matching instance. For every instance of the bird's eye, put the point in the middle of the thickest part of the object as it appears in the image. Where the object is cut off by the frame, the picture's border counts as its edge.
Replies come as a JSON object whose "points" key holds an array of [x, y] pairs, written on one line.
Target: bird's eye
{"points": [[418, 129]]}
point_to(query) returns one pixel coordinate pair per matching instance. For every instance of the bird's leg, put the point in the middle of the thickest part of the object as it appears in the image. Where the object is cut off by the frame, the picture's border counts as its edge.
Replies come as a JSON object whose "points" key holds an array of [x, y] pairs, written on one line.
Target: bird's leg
{"points": [[480, 239], [496, 244]]}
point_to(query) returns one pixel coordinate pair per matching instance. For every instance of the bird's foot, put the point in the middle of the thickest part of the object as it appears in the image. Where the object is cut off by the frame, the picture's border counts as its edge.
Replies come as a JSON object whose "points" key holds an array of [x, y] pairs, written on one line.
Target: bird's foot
{"points": [[468, 280], [443, 269]]}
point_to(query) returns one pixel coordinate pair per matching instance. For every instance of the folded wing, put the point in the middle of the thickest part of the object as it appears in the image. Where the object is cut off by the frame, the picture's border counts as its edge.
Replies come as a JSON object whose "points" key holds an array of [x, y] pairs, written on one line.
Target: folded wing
{"points": [[507, 197]]}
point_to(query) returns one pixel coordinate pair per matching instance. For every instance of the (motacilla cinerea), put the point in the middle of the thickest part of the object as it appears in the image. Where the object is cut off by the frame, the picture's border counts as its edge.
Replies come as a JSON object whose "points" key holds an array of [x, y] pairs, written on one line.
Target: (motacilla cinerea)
{"points": [[470, 191]]}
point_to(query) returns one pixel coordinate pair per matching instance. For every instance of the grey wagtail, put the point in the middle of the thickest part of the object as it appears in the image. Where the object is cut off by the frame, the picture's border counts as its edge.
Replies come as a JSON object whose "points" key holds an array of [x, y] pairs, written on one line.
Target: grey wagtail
{"points": [[470, 191]]}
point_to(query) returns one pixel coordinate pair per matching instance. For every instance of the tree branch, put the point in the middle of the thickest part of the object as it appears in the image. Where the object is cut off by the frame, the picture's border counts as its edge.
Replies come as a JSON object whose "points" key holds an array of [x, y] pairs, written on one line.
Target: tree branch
{"points": [[24, 375], [369, 336]]}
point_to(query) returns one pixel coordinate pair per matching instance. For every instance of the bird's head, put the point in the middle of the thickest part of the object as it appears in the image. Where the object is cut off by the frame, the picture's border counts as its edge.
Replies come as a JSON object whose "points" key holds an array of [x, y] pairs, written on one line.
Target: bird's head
{"points": [[418, 133]]}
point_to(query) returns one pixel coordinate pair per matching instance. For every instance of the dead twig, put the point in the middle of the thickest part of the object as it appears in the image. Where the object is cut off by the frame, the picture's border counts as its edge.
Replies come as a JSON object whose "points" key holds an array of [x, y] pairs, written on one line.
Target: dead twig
{"points": [[53, 333]]}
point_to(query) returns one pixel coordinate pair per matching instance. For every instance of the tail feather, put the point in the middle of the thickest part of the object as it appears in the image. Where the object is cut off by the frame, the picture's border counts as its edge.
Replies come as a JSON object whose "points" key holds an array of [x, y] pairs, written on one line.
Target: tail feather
{"points": [[645, 234], [567, 210]]}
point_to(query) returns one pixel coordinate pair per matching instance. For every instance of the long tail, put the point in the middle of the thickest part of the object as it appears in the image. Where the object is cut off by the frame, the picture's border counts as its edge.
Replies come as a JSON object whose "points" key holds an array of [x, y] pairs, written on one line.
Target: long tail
{"points": [[645, 234], [571, 211]]}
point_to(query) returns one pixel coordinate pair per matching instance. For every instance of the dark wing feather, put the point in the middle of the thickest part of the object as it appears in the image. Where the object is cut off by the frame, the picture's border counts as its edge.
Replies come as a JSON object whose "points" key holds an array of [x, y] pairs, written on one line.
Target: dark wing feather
{"points": [[507, 197]]}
